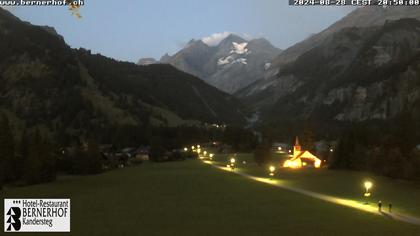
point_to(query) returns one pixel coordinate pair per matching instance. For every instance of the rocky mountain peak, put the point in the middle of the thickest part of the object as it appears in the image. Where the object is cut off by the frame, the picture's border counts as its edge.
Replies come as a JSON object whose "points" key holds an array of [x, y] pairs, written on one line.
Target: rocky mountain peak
{"points": [[230, 65]]}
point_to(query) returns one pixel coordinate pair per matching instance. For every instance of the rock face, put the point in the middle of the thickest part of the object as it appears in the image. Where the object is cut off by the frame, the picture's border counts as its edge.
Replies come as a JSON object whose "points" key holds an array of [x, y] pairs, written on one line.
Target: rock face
{"points": [[230, 66], [47, 84], [360, 18], [354, 74]]}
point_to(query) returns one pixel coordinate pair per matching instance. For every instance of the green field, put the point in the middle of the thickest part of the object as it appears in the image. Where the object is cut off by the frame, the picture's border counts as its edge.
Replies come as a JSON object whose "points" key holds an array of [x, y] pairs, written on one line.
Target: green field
{"points": [[192, 198], [404, 195]]}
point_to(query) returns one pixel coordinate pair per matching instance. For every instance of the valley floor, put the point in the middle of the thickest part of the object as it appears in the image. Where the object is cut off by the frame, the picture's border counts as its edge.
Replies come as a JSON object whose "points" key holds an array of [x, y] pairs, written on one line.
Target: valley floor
{"points": [[192, 198]]}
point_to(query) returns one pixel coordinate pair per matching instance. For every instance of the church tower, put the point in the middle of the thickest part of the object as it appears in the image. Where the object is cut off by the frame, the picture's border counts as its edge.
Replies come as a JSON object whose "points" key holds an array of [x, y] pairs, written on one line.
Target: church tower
{"points": [[297, 148]]}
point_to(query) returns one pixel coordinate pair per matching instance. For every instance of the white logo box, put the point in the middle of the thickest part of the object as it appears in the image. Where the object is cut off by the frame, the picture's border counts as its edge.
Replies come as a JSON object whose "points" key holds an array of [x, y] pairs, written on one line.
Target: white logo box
{"points": [[36, 215]]}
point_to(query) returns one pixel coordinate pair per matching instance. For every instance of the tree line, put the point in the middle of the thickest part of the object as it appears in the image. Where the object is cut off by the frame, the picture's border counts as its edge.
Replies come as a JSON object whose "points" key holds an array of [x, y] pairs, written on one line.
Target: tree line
{"points": [[29, 161], [35, 159], [390, 152]]}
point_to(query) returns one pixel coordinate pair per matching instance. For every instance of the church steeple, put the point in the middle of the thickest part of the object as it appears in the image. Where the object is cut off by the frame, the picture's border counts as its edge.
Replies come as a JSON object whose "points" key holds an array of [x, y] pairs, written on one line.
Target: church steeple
{"points": [[297, 148]]}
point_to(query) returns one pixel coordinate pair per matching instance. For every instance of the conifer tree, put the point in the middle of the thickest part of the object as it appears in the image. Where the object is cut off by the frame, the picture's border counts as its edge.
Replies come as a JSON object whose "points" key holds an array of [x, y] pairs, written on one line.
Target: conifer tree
{"points": [[95, 158], [7, 151], [40, 164], [32, 164]]}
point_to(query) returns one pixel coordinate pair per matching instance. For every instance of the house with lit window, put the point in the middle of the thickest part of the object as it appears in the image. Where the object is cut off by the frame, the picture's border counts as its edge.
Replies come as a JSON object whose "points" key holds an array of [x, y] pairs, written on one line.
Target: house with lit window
{"points": [[302, 158]]}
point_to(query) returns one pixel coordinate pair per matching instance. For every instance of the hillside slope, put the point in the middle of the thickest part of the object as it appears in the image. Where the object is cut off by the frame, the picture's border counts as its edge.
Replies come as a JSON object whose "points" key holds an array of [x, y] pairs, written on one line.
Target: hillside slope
{"points": [[356, 74], [46, 83]]}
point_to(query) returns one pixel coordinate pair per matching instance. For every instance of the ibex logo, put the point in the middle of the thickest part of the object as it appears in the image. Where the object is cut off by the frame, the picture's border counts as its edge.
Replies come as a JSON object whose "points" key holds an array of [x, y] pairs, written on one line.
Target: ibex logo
{"points": [[13, 221]]}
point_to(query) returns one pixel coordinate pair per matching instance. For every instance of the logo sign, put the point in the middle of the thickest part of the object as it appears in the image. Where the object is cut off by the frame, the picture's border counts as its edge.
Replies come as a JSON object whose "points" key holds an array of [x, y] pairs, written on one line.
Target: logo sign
{"points": [[36, 215]]}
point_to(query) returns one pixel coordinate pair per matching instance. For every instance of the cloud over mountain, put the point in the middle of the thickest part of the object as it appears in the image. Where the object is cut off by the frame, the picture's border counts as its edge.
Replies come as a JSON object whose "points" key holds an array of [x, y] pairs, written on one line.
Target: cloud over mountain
{"points": [[215, 39]]}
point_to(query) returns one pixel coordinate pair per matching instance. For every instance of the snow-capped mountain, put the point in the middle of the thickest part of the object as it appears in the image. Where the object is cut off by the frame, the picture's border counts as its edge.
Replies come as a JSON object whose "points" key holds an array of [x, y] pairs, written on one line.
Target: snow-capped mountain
{"points": [[231, 65]]}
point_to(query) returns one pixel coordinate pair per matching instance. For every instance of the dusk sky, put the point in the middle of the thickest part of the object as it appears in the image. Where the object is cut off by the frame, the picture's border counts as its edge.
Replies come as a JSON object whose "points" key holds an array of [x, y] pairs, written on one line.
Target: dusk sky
{"points": [[144, 28]]}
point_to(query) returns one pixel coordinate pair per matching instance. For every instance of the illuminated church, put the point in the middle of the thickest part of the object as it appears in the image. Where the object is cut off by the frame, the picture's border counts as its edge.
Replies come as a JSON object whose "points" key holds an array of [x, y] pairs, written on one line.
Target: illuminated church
{"points": [[302, 158]]}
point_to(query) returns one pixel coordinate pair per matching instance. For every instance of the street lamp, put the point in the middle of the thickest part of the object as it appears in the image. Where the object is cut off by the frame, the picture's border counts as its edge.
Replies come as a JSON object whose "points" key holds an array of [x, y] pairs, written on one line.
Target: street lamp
{"points": [[368, 186], [185, 149], [272, 169], [205, 153], [232, 163]]}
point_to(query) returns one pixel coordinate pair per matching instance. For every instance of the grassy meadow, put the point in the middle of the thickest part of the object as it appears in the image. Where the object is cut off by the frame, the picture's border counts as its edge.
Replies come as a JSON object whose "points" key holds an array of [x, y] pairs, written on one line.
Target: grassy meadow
{"points": [[192, 198], [404, 195]]}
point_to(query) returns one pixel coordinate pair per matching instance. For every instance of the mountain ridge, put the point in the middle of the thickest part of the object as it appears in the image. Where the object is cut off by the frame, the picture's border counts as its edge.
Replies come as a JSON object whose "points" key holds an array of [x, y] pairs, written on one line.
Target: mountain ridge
{"points": [[75, 93], [367, 73], [230, 65]]}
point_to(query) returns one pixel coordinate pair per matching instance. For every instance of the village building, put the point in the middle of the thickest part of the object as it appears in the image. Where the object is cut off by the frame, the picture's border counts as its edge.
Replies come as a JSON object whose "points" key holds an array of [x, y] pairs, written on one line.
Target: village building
{"points": [[302, 158]]}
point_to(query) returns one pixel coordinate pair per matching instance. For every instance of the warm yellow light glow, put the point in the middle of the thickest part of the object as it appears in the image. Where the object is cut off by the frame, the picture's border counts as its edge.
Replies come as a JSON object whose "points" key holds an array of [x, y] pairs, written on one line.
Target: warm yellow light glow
{"points": [[331, 150], [318, 164], [185, 149], [198, 146], [279, 148], [192, 147], [232, 160], [272, 168], [199, 151], [304, 164], [368, 185], [205, 153], [290, 151], [244, 162], [228, 166], [211, 155], [293, 164]]}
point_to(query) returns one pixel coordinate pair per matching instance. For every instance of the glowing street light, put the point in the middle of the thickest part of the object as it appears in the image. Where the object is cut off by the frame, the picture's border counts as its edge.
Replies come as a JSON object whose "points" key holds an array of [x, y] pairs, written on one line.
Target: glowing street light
{"points": [[192, 147], [198, 150], [211, 155], [272, 169], [279, 148], [368, 186], [290, 151], [232, 163], [205, 153], [185, 149], [198, 146]]}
